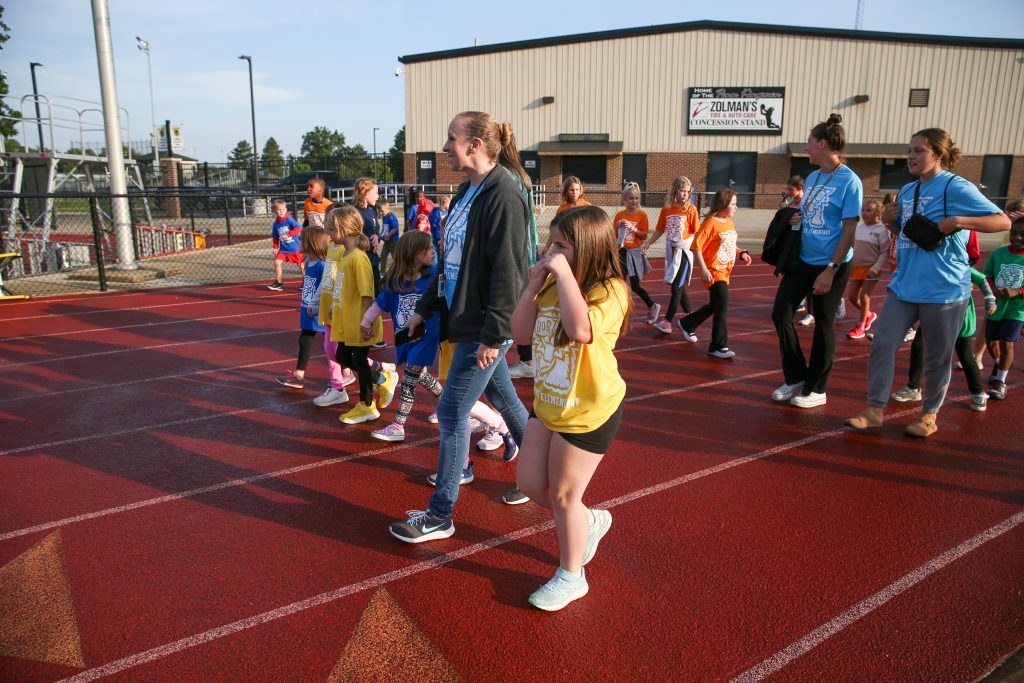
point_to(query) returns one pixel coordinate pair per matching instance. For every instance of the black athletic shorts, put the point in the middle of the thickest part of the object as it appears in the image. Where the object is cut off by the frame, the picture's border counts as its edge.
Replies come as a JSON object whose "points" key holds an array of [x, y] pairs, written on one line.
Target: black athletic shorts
{"points": [[597, 441]]}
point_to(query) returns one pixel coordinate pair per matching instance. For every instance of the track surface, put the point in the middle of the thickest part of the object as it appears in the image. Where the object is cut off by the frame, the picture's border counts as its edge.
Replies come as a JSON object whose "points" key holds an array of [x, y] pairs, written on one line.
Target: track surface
{"points": [[167, 512]]}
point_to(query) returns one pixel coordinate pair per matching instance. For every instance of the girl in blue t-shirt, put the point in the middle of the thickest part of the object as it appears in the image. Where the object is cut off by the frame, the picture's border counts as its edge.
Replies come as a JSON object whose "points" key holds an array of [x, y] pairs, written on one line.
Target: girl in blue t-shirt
{"points": [[827, 220], [410, 273], [930, 286], [314, 243]]}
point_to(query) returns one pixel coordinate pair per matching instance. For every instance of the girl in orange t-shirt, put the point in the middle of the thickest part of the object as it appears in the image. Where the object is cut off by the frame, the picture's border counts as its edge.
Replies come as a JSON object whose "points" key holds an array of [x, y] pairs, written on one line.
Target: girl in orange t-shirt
{"points": [[632, 227], [715, 251], [678, 222], [572, 195]]}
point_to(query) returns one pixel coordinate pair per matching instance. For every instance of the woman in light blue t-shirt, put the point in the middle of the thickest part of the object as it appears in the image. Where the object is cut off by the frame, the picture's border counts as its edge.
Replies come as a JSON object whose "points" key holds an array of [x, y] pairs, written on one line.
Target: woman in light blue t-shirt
{"points": [[930, 286], [827, 221]]}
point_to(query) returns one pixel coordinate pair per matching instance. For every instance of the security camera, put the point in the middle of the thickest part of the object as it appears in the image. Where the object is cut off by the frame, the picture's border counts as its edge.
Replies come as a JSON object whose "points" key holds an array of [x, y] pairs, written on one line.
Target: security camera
{"points": [[398, 72]]}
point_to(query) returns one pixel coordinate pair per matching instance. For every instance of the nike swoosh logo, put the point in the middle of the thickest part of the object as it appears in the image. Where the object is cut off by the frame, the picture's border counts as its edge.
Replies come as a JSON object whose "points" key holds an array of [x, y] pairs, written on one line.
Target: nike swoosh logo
{"points": [[428, 530]]}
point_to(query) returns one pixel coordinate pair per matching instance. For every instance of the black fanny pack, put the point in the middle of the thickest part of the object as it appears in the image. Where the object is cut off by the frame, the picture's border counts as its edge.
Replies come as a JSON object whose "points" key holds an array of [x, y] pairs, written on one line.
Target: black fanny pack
{"points": [[921, 231]]}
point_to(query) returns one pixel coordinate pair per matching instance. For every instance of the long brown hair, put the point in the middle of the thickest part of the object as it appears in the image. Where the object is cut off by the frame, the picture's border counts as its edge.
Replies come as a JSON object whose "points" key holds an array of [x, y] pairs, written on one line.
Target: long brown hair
{"points": [[720, 201], [362, 187], [567, 183], [589, 230], [347, 222], [498, 138], [402, 273], [942, 145], [314, 241]]}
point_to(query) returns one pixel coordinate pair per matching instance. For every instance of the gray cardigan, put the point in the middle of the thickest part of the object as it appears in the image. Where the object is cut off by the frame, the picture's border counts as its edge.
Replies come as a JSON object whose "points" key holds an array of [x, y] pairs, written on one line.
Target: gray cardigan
{"points": [[495, 264]]}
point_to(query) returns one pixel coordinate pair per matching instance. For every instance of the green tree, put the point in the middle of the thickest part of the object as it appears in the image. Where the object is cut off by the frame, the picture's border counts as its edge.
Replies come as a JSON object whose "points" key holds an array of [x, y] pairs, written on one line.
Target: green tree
{"points": [[241, 156], [321, 143], [396, 155], [272, 159], [7, 122]]}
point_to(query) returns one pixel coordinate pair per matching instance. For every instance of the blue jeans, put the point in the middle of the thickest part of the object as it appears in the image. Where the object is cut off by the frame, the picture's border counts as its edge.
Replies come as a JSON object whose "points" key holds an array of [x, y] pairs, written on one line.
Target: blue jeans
{"points": [[466, 382]]}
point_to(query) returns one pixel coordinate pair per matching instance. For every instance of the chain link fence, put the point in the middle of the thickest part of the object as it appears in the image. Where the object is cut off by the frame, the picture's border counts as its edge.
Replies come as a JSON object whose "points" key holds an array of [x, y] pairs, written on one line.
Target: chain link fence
{"points": [[68, 242]]}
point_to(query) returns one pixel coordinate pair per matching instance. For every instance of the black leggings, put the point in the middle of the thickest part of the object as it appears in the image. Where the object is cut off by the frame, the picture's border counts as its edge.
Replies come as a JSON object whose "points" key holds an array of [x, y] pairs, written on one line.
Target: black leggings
{"points": [[678, 292], [964, 353], [357, 358], [634, 281], [525, 352], [717, 307], [305, 339]]}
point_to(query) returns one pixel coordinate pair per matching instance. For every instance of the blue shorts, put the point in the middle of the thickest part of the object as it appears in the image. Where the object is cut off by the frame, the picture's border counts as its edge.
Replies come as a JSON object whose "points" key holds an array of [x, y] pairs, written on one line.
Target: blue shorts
{"points": [[1003, 330]]}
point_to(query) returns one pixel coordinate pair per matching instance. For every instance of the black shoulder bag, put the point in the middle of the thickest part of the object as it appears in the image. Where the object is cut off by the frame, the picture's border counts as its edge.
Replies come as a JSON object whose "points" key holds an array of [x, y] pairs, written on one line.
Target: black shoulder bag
{"points": [[921, 231]]}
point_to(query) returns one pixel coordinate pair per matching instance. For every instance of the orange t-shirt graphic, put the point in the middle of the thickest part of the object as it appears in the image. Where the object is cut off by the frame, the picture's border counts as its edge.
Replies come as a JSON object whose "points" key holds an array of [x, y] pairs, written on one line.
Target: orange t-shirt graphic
{"points": [[638, 221], [716, 242], [314, 213], [678, 223]]}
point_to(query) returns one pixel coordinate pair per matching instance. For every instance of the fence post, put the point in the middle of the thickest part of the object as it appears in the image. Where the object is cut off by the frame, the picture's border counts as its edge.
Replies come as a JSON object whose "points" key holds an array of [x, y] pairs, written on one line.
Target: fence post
{"points": [[206, 174], [135, 227], [94, 209], [227, 215]]}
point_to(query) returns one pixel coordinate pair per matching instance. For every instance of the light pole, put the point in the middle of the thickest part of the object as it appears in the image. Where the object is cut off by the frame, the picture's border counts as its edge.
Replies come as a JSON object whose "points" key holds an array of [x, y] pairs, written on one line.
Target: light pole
{"points": [[252, 104], [376, 170], [35, 94], [144, 46]]}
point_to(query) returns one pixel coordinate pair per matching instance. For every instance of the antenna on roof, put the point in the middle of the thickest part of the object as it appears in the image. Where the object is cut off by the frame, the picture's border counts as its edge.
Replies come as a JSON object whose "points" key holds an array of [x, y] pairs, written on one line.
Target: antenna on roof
{"points": [[858, 23]]}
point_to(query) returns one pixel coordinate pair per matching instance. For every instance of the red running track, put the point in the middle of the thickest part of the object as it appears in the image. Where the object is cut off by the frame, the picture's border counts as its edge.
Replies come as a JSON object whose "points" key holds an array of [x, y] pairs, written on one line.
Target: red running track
{"points": [[168, 513]]}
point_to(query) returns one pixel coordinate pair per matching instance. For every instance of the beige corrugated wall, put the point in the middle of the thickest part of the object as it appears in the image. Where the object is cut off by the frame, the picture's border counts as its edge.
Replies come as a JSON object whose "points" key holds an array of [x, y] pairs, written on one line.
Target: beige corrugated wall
{"points": [[635, 90]]}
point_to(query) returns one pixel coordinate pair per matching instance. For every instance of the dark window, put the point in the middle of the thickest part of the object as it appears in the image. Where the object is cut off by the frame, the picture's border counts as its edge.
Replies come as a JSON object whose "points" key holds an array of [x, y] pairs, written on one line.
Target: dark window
{"points": [[919, 97], [894, 174], [800, 166], [592, 170]]}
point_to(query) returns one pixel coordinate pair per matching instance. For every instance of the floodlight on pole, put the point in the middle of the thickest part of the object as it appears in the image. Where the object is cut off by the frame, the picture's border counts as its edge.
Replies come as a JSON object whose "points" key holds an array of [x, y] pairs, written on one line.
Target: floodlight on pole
{"points": [[144, 46], [35, 95], [252, 105]]}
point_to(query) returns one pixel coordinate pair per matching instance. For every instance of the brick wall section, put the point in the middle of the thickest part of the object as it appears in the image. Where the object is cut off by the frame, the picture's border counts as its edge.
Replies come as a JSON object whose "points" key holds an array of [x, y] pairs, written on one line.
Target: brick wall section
{"points": [[772, 174], [409, 168], [551, 173], [664, 167], [970, 168], [1016, 178]]}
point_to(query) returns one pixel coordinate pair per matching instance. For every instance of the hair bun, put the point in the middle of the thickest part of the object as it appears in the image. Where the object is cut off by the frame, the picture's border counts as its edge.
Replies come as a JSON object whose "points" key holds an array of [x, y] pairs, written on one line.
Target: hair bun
{"points": [[834, 119], [506, 133]]}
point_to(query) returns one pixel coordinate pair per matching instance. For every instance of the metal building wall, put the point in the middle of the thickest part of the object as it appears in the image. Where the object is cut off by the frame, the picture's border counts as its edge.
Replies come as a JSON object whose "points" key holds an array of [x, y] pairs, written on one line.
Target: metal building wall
{"points": [[635, 89]]}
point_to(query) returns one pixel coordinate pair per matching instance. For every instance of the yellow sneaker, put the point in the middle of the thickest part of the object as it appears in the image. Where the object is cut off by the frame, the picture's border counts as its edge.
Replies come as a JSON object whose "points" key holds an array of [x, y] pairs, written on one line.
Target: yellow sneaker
{"points": [[361, 413], [386, 389]]}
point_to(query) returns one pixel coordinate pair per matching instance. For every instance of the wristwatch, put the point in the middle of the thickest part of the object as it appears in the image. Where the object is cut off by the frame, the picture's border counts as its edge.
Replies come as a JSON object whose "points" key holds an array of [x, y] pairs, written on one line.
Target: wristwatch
{"points": [[833, 265]]}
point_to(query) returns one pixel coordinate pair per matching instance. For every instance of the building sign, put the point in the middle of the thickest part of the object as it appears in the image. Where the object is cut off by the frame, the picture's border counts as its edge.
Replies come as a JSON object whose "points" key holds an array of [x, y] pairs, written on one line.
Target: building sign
{"points": [[529, 163], [736, 110], [426, 163]]}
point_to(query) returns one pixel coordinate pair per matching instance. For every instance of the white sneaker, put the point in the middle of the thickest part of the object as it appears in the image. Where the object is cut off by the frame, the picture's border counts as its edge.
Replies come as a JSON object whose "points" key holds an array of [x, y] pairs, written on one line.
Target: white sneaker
{"points": [[812, 400], [787, 391], [558, 592], [722, 353], [331, 397], [652, 314], [393, 432], [841, 311], [432, 418], [687, 335], [491, 440], [906, 394], [807, 320], [663, 326], [979, 402], [910, 335], [520, 370]]}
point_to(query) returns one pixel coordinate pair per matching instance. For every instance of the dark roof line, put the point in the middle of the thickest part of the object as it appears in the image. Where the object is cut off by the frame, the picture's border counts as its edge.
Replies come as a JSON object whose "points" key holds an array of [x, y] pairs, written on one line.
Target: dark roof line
{"points": [[956, 41]]}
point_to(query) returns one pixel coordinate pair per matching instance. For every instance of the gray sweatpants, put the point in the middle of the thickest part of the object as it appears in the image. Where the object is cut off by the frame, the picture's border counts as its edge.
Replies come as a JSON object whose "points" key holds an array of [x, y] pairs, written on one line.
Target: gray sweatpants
{"points": [[940, 324]]}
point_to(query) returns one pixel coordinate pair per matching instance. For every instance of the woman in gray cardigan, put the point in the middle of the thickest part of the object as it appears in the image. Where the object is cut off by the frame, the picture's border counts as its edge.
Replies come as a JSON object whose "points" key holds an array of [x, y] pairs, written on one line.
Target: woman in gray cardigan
{"points": [[480, 275]]}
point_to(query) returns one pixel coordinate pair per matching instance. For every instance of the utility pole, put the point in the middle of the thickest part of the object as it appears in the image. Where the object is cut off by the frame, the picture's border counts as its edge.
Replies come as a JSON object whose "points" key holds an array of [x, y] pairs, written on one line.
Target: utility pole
{"points": [[144, 46], [252, 105]]}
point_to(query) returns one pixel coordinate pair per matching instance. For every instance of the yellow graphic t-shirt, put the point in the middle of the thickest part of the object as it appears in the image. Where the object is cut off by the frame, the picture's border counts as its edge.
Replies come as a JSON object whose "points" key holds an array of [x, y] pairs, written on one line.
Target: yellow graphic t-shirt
{"points": [[577, 387], [334, 254], [353, 282]]}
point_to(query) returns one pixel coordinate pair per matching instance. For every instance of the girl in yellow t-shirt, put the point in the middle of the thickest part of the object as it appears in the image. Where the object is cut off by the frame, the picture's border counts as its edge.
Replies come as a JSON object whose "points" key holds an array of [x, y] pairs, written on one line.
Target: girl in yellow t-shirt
{"points": [[352, 295], [715, 251], [574, 309], [631, 226], [339, 377], [678, 222]]}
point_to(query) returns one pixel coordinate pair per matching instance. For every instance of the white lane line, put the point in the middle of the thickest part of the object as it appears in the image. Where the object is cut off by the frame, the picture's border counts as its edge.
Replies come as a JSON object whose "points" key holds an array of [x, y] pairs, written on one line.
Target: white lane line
{"points": [[180, 321], [170, 497], [851, 616], [234, 627], [164, 378], [57, 359], [321, 463], [100, 311]]}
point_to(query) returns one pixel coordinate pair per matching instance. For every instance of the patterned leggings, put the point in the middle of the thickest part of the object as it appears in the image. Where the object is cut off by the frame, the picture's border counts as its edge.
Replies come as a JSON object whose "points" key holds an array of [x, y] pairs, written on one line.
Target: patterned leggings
{"points": [[411, 376]]}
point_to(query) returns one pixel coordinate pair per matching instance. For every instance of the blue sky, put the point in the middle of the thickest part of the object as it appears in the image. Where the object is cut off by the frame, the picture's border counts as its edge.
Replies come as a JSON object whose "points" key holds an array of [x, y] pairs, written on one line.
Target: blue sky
{"points": [[333, 63]]}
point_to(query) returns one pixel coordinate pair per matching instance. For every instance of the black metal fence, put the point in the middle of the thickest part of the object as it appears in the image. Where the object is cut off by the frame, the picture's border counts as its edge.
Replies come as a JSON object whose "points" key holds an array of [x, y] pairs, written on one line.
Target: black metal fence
{"points": [[337, 172]]}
